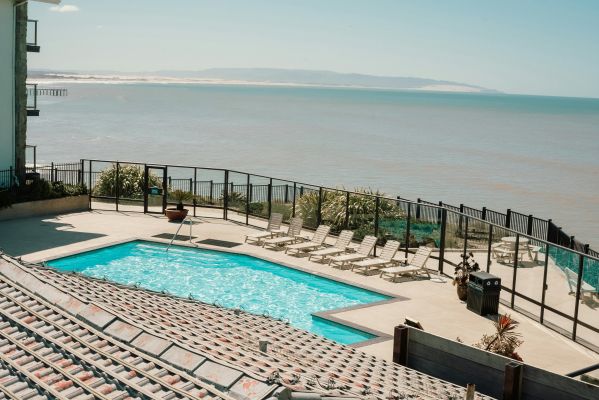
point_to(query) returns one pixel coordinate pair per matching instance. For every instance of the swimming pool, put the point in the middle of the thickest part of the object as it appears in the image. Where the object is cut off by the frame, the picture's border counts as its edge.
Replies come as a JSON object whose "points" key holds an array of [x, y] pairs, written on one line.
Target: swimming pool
{"points": [[229, 279]]}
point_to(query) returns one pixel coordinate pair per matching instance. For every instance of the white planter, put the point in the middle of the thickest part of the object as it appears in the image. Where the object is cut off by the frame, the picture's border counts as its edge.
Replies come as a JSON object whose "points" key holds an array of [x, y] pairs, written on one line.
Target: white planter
{"points": [[45, 207]]}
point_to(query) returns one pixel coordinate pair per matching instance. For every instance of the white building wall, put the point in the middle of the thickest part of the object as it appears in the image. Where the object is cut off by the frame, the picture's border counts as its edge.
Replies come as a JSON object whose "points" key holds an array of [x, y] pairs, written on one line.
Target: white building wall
{"points": [[7, 83]]}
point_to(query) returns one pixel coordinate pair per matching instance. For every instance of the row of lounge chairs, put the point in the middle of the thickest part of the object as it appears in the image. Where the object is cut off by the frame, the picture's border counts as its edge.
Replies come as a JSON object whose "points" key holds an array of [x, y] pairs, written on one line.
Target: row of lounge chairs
{"points": [[340, 254]]}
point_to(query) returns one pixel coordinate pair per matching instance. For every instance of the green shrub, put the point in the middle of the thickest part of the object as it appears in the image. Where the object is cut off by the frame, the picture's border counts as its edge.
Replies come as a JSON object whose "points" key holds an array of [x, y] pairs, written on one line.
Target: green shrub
{"points": [[361, 207], [131, 182]]}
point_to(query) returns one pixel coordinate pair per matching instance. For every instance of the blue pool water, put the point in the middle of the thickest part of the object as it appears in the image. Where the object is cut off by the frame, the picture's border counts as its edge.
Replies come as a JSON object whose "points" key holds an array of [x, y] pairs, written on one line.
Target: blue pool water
{"points": [[231, 280]]}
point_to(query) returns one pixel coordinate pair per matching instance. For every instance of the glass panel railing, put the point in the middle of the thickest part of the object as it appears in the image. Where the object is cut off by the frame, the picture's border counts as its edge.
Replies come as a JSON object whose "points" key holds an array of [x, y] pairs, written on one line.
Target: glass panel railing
{"points": [[393, 222], [103, 184], [31, 37], [561, 286], [530, 276], [237, 200], [307, 205], [454, 235], [361, 215], [259, 192], [334, 210], [131, 186], [588, 309], [282, 198], [32, 96]]}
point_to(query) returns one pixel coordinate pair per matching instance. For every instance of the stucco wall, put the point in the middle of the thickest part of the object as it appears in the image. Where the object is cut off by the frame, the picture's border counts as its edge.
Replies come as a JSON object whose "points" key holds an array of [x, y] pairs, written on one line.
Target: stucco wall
{"points": [[7, 82]]}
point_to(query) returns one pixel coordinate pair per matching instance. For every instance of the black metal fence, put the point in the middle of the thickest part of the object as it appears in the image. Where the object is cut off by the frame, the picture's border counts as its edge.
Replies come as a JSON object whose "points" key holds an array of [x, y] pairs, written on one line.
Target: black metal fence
{"points": [[544, 276], [526, 224], [67, 173]]}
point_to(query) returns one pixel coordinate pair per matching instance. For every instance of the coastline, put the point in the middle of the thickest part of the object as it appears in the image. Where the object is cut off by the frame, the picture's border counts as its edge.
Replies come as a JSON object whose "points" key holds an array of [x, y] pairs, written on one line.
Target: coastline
{"points": [[57, 79]]}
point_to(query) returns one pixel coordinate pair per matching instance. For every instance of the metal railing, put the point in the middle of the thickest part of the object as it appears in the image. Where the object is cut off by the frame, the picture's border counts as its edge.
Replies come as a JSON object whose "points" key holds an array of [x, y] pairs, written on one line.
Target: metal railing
{"points": [[32, 96], [541, 278], [32, 38]]}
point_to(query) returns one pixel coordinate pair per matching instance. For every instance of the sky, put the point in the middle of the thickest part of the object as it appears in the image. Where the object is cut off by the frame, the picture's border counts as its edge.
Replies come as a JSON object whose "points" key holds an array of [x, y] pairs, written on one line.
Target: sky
{"points": [[541, 47]]}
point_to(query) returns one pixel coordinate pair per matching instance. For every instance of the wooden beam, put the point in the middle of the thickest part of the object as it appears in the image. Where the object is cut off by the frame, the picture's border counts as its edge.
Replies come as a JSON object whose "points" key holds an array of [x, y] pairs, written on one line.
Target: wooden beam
{"points": [[400, 345], [512, 384]]}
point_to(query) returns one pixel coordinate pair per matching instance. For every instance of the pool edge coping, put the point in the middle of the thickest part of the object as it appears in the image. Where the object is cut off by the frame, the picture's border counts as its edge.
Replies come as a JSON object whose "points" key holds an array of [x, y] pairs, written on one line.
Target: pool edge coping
{"points": [[327, 315]]}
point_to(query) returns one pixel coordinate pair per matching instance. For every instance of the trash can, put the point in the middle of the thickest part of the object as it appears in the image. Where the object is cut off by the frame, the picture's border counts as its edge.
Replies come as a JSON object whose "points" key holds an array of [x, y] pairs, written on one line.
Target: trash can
{"points": [[483, 293]]}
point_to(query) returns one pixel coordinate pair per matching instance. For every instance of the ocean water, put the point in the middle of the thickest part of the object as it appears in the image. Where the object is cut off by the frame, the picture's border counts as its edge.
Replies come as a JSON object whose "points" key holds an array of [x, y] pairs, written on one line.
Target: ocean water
{"points": [[228, 279], [536, 155]]}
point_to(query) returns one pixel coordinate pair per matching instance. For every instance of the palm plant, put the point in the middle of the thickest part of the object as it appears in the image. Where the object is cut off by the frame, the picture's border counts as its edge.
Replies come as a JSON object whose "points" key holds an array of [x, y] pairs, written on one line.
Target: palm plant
{"points": [[504, 340]]}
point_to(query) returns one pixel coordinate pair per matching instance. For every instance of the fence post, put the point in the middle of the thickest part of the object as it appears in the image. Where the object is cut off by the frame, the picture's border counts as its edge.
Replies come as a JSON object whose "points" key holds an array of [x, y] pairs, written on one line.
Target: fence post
{"points": [[294, 194], [81, 173], [515, 274], [225, 194], [529, 225], [466, 236], [508, 218], [286, 193], [116, 187], [439, 212], [247, 200], [578, 284], [461, 220], [251, 191], [512, 381], [52, 172], [319, 209], [545, 268], [418, 208], [195, 190], [400, 345], [484, 214], [269, 197], [170, 182], [190, 185], [442, 239], [572, 242], [10, 177], [211, 191], [89, 189], [377, 203], [489, 247], [346, 224], [408, 227]]}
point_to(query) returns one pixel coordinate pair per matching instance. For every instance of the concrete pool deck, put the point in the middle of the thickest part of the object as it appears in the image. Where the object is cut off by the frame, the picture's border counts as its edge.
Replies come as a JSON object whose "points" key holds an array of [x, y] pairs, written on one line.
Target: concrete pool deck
{"points": [[433, 302]]}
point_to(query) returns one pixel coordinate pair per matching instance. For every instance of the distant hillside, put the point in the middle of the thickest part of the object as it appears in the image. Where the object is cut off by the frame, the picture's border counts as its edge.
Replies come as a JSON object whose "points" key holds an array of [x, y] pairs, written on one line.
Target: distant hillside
{"points": [[267, 76]]}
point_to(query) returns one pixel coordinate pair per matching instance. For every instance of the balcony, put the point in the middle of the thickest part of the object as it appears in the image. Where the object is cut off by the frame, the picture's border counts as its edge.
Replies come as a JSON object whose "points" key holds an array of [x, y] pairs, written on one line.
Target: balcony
{"points": [[32, 45], [32, 110]]}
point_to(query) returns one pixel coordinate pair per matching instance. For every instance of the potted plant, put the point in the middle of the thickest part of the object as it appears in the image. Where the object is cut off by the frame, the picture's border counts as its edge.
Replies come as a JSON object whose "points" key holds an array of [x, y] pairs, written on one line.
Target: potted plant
{"points": [[179, 212], [462, 274]]}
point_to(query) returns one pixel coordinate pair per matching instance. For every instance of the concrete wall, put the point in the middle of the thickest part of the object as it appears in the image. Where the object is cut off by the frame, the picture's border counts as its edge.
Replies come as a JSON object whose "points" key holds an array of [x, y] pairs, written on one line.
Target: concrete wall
{"points": [[7, 84], [45, 207]]}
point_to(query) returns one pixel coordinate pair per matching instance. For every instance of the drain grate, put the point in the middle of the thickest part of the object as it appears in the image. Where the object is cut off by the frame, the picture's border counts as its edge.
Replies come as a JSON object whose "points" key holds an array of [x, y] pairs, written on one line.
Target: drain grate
{"points": [[169, 236], [220, 243]]}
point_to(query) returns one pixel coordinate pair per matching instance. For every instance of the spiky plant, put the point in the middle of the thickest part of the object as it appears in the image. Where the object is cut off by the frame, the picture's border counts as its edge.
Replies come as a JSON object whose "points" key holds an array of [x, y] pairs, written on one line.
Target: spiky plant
{"points": [[504, 340]]}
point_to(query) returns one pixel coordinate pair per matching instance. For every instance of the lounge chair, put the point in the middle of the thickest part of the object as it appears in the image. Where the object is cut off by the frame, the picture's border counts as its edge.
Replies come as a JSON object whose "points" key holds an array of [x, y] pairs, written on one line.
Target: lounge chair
{"points": [[585, 288], [415, 267], [505, 254], [315, 243], [339, 247], [376, 263], [363, 252], [293, 235], [273, 229]]}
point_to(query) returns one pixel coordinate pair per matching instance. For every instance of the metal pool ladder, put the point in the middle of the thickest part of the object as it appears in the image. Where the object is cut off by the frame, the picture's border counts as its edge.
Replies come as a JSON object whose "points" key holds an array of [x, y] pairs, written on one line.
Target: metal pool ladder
{"points": [[191, 222]]}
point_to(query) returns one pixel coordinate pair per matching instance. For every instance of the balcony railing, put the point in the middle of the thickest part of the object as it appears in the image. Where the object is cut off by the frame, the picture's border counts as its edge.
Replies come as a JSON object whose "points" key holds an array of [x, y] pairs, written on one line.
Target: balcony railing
{"points": [[32, 45], [32, 110]]}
